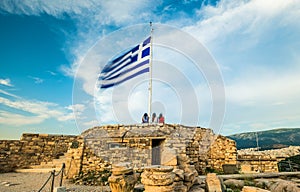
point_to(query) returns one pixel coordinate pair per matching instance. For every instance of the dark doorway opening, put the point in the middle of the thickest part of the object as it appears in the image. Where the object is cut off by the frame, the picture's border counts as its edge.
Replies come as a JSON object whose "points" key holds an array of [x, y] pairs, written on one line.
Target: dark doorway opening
{"points": [[156, 151]]}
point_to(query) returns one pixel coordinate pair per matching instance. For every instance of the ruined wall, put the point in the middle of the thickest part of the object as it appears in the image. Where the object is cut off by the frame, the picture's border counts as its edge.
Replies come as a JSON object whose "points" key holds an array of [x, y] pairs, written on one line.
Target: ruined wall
{"points": [[257, 163], [97, 148], [32, 149], [107, 144], [251, 161], [222, 151], [180, 145], [9, 154], [210, 151]]}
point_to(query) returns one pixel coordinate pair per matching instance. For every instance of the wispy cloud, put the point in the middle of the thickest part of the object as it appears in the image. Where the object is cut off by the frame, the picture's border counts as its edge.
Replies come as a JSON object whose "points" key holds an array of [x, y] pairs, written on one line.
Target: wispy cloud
{"points": [[77, 110], [271, 89], [51, 73], [8, 94], [230, 20], [34, 112], [8, 118], [6, 82], [37, 80]]}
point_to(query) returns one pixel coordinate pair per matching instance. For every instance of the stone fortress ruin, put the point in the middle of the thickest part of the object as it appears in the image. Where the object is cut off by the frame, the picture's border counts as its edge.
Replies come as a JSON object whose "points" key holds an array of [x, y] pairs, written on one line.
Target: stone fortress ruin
{"points": [[181, 153]]}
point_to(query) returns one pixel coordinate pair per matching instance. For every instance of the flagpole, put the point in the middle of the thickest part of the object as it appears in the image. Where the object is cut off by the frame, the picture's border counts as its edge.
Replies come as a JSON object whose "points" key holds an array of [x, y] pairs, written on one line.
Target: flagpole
{"points": [[150, 74]]}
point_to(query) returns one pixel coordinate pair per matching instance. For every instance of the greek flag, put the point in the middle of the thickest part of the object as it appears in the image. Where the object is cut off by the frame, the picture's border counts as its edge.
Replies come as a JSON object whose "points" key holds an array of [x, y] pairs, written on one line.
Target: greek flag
{"points": [[127, 66]]}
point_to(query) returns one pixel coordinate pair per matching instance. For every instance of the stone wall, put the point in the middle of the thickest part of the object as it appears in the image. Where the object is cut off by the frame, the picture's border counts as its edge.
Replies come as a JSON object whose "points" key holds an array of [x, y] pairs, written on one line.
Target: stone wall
{"points": [[185, 148], [278, 153], [9, 154], [32, 149], [210, 151], [251, 160], [222, 152], [178, 144], [116, 144], [256, 163]]}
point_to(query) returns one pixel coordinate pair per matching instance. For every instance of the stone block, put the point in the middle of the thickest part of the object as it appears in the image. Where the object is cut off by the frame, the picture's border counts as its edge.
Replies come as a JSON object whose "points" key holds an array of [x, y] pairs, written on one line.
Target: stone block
{"points": [[230, 168], [179, 174], [253, 189], [60, 189], [168, 188], [189, 176], [169, 158], [213, 183]]}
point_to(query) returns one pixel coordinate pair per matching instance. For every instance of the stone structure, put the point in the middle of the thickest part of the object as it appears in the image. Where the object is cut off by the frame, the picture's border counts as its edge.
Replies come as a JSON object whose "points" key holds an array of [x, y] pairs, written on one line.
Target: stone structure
{"points": [[257, 163], [253, 189], [123, 179], [251, 160], [278, 153], [32, 149], [158, 178], [213, 183], [158, 144], [187, 150]]}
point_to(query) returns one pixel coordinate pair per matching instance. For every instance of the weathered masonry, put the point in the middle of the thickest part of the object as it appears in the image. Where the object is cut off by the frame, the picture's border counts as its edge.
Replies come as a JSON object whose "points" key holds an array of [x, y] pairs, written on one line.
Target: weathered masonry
{"points": [[157, 144], [185, 148], [32, 149]]}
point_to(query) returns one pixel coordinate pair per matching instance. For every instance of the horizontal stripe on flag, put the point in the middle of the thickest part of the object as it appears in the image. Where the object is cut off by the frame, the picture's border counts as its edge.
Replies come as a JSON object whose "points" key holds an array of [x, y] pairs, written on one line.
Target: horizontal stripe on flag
{"points": [[107, 85], [120, 78], [131, 64], [113, 64], [128, 70], [124, 64]]}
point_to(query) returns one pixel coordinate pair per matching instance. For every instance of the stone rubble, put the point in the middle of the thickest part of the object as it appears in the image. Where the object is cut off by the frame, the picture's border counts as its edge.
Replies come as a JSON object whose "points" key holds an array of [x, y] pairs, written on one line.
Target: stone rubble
{"points": [[32, 149], [123, 178], [278, 153], [213, 183]]}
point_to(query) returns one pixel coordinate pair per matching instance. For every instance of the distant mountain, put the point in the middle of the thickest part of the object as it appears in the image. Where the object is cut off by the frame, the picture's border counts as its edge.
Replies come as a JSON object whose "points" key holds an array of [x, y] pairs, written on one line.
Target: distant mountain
{"points": [[271, 139]]}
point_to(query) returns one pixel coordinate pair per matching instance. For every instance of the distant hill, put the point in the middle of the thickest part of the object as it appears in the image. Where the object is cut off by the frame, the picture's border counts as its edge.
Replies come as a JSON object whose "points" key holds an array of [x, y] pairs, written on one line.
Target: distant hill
{"points": [[271, 139]]}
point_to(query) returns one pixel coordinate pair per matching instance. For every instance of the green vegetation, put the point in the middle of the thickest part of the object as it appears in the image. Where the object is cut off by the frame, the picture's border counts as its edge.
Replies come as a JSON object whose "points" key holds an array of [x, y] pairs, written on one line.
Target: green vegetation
{"points": [[290, 164], [96, 178], [211, 170]]}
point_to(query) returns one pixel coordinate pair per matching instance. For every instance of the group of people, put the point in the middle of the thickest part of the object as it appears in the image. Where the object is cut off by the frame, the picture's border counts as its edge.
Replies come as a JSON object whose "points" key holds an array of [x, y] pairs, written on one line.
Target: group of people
{"points": [[154, 119]]}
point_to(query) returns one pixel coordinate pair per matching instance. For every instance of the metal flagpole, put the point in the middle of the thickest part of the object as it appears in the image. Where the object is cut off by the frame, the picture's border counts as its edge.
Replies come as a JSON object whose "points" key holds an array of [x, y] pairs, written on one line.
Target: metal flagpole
{"points": [[150, 74]]}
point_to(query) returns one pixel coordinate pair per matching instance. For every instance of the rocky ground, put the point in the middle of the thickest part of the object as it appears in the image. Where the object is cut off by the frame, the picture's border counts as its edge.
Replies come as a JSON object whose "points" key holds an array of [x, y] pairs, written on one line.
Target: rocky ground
{"points": [[32, 182]]}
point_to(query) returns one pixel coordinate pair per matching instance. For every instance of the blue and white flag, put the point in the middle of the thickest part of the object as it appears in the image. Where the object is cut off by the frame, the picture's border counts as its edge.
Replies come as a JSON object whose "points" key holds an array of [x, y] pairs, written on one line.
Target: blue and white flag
{"points": [[127, 66]]}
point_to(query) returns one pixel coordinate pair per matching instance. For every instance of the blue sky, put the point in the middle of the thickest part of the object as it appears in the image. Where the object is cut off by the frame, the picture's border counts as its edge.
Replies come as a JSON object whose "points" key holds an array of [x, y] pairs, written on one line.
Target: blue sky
{"points": [[52, 51]]}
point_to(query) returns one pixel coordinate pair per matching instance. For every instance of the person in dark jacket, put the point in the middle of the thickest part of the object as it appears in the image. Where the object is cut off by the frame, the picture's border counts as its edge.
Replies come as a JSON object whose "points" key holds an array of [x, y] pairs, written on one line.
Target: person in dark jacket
{"points": [[145, 118]]}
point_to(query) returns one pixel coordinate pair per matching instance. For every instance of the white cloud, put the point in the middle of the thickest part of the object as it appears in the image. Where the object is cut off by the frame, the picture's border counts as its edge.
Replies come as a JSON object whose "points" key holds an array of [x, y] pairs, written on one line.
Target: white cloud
{"points": [[270, 88], [8, 94], [90, 16], [252, 19], [37, 80], [90, 124], [51, 73], [33, 112], [6, 82], [77, 110], [7, 118]]}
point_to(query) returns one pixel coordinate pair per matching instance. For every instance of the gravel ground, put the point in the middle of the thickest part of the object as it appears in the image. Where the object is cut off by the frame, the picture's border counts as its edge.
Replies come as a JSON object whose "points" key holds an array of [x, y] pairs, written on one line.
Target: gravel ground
{"points": [[32, 182]]}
